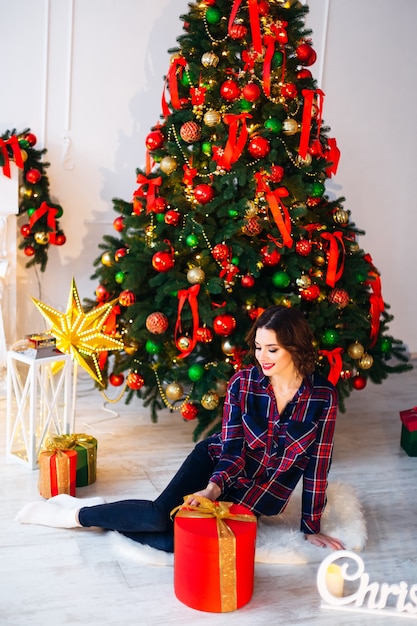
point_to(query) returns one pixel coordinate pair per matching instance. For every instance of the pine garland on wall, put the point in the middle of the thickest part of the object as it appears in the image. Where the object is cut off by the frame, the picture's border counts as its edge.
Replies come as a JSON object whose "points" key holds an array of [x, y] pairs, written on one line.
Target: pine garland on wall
{"points": [[42, 228]]}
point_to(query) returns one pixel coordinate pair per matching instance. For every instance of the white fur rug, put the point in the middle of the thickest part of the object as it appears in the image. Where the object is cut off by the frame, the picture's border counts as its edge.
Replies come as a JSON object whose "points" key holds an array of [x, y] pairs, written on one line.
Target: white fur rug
{"points": [[278, 537]]}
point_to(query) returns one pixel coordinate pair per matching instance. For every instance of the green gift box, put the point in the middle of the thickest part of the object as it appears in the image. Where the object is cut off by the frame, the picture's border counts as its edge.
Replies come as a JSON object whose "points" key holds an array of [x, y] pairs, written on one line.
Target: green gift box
{"points": [[86, 448], [409, 431]]}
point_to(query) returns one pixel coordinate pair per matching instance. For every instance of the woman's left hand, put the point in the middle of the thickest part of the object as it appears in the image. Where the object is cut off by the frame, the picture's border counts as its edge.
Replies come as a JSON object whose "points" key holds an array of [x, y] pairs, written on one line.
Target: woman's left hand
{"points": [[324, 541]]}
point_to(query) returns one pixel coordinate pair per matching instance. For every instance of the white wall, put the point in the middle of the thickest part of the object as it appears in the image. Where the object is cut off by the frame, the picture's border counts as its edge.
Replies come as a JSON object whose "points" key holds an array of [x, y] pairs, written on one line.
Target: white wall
{"points": [[86, 77]]}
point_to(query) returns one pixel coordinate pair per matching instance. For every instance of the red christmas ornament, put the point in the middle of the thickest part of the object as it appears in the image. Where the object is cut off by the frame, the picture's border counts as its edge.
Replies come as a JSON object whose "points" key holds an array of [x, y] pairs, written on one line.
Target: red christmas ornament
{"points": [[118, 224], [190, 132], [251, 92], [339, 297], [33, 176], [127, 298], [311, 293], [204, 334], [259, 147], [172, 217], [102, 294], [224, 325], [137, 206], [160, 205], [304, 74], [255, 312], [189, 411], [25, 230], [203, 193], [270, 257], [263, 8], [305, 54], [221, 252], [31, 139], [60, 239], [277, 173], [120, 253], [289, 90], [29, 250], [315, 148], [154, 140], [247, 281], [229, 90], [303, 247], [134, 381], [116, 379], [157, 323], [358, 382], [237, 31], [162, 261], [252, 227]]}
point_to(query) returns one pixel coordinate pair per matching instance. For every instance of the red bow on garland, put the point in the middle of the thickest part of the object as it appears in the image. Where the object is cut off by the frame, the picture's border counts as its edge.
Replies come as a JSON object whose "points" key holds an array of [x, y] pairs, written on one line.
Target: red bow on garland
{"points": [[13, 142], [189, 295], [151, 192]]}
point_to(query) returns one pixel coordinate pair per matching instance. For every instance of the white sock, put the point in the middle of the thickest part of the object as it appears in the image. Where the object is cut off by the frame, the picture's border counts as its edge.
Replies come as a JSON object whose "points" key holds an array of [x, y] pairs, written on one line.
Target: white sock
{"points": [[46, 513], [70, 502]]}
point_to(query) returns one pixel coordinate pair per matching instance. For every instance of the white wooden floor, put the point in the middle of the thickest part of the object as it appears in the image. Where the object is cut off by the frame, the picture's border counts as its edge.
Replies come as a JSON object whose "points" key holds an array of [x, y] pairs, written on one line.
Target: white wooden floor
{"points": [[66, 577]]}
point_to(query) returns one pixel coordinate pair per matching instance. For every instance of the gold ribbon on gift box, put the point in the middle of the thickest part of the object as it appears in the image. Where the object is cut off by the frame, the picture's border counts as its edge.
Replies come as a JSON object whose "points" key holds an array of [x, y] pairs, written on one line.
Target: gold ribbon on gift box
{"points": [[226, 537], [69, 442]]}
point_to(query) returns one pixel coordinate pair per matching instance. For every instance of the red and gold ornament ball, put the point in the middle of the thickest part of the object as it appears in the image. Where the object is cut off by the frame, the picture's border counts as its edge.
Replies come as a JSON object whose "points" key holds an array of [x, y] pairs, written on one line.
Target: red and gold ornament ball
{"points": [[190, 132], [339, 297], [127, 298], [303, 247], [135, 381], [270, 257], [221, 252], [157, 323], [203, 334], [189, 411]]}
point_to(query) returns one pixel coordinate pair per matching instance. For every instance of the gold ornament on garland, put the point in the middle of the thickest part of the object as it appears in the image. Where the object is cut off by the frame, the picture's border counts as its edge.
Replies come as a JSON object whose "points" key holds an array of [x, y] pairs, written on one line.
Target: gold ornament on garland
{"points": [[356, 350], [81, 334], [174, 391], [210, 400]]}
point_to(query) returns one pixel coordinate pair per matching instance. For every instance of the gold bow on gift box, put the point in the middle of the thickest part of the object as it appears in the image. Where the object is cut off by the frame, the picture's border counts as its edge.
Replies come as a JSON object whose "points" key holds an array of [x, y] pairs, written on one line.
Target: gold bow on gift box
{"points": [[227, 540], [69, 442]]}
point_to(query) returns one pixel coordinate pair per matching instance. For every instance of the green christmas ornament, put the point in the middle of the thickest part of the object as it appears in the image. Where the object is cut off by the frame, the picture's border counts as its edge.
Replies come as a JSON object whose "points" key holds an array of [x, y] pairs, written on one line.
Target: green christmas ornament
{"points": [[245, 105], [31, 211], [273, 125], [185, 79], [233, 213], [235, 260], [385, 345], [196, 372], [160, 217], [213, 15], [281, 279], [276, 60], [192, 240], [317, 190], [206, 148], [330, 337], [152, 347], [119, 277]]}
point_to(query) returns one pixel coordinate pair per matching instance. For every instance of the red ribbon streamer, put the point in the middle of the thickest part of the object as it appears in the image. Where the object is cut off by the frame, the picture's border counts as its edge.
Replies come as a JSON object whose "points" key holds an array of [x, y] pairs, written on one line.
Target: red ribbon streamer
{"points": [[50, 219], [376, 301], [280, 214], [332, 156], [189, 294], [176, 66], [336, 257], [254, 22], [336, 363], [13, 142], [151, 193], [235, 143], [270, 41], [309, 95]]}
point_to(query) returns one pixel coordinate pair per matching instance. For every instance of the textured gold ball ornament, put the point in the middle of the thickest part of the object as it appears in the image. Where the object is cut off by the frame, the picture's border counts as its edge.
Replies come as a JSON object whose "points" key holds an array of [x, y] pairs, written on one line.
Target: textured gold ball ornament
{"points": [[168, 165], [107, 259], [304, 161], [356, 350], [228, 347], [174, 391], [196, 276], [210, 400], [303, 281], [366, 361], [221, 388], [289, 126], [210, 59], [252, 210], [183, 343], [130, 346], [212, 118], [41, 238], [340, 216], [319, 259]]}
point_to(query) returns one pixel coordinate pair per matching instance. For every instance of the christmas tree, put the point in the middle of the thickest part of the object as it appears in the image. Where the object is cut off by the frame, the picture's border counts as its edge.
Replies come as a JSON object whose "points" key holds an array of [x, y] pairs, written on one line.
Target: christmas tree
{"points": [[230, 215]]}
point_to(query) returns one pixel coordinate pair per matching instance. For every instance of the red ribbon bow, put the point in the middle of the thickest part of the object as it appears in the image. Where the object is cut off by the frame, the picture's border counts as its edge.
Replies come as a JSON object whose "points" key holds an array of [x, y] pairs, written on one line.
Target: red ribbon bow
{"points": [[336, 363], [50, 213], [235, 142], [177, 65], [254, 22], [309, 95], [336, 257], [151, 192], [189, 295], [270, 41], [13, 142], [189, 174]]}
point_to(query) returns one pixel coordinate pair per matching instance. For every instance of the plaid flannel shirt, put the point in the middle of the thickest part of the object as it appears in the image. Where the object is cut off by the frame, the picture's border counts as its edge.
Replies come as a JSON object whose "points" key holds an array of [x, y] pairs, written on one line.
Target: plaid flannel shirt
{"points": [[261, 455]]}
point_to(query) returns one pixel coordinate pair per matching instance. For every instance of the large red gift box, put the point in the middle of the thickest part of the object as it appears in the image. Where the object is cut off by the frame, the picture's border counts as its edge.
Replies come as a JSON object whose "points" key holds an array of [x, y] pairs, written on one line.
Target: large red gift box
{"points": [[57, 472], [214, 555]]}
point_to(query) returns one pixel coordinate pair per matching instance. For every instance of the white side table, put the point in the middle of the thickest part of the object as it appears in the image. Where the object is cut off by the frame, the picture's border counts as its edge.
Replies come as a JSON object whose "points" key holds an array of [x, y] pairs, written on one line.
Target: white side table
{"points": [[38, 402]]}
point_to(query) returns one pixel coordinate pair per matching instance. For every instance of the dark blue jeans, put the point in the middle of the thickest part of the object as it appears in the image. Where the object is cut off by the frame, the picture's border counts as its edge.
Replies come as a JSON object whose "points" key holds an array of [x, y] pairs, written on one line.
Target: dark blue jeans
{"points": [[149, 521]]}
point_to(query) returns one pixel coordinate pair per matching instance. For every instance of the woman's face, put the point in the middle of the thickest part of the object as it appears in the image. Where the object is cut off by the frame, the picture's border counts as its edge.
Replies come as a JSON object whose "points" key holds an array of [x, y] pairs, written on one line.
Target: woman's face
{"points": [[273, 358]]}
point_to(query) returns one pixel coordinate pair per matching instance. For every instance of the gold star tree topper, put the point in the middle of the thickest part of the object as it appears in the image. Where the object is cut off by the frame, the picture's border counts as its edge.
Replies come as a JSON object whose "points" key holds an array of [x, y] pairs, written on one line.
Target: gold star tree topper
{"points": [[81, 334]]}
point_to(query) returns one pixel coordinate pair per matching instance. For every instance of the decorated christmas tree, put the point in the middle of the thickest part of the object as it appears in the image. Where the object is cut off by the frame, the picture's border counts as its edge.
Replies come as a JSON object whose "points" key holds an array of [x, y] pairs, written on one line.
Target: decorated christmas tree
{"points": [[230, 214]]}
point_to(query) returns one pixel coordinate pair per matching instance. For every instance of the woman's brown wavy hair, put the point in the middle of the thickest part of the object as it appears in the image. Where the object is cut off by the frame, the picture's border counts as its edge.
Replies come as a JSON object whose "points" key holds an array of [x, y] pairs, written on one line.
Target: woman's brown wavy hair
{"points": [[292, 332]]}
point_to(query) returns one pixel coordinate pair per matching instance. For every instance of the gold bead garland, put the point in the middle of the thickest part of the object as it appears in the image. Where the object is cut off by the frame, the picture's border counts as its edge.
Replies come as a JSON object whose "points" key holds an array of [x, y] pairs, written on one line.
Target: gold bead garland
{"points": [[165, 400]]}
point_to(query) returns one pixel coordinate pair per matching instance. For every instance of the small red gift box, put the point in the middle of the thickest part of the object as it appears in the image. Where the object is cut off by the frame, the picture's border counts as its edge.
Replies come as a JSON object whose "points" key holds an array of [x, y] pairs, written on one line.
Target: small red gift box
{"points": [[214, 555], [409, 431], [57, 472]]}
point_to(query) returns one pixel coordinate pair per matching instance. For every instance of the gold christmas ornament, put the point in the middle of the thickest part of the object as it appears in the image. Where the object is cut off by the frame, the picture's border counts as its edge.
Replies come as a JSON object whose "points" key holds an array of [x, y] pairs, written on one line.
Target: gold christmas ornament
{"points": [[340, 216], [356, 350], [41, 238], [289, 126], [196, 276], [221, 388], [303, 281], [212, 118], [210, 400], [252, 210], [228, 347], [168, 165], [304, 161], [174, 391], [366, 361], [131, 346], [210, 59], [319, 259], [107, 259], [81, 334]]}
